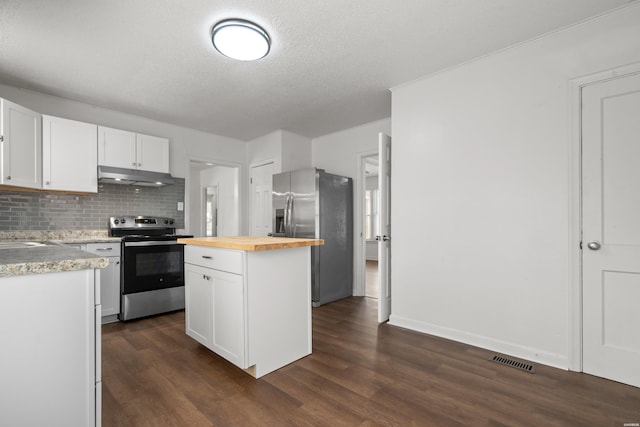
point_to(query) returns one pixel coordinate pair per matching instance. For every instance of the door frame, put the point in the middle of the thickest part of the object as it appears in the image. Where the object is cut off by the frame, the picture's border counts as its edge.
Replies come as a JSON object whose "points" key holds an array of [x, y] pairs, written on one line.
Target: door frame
{"points": [[575, 205], [358, 229]]}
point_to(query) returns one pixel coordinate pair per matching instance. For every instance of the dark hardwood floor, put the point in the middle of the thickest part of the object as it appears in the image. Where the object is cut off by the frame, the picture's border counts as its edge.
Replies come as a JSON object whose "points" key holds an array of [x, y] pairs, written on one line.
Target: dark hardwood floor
{"points": [[360, 374]]}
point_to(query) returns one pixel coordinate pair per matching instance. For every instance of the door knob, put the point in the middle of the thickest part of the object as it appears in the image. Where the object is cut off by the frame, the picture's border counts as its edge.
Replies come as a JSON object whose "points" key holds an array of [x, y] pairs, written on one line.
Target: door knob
{"points": [[594, 246]]}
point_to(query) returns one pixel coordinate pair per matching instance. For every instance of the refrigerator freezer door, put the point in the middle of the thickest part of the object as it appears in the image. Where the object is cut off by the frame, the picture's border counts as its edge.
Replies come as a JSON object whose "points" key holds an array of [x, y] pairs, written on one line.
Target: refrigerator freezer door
{"points": [[334, 263], [303, 205]]}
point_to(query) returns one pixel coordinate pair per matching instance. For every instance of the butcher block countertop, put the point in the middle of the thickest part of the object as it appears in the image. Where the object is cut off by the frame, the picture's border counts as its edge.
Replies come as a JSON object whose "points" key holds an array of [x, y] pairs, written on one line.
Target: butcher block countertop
{"points": [[250, 243]]}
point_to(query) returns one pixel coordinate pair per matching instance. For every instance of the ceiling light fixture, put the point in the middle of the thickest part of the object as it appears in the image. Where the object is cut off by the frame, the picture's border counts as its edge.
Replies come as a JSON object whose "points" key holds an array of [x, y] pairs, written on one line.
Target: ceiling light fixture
{"points": [[240, 39]]}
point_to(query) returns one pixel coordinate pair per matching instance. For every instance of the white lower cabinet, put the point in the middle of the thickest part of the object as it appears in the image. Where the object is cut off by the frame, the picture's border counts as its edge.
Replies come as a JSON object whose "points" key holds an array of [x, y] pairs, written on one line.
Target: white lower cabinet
{"points": [[109, 277], [50, 359], [215, 315], [198, 295]]}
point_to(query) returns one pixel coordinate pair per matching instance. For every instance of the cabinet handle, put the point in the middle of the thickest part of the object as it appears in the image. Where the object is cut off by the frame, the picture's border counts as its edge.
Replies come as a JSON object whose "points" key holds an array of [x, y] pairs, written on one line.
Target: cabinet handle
{"points": [[133, 164], [205, 277], [9, 177], [102, 249], [140, 164], [206, 257], [47, 183]]}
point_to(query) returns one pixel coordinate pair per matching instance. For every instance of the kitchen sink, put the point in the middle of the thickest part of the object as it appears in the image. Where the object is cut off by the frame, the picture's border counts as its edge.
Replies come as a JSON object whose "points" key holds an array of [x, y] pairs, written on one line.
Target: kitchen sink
{"points": [[21, 244]]}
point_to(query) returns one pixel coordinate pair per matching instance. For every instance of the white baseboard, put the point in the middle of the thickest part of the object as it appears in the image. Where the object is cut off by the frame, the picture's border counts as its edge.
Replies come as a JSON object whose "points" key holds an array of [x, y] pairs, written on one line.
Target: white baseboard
{"points": [[503, 347]]}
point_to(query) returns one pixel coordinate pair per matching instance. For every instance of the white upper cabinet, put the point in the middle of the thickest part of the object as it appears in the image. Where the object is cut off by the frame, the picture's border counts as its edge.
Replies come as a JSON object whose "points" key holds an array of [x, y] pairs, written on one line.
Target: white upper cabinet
{"points": [[21, 139], [116, 148], [124, 149], [69, 155], [152, 153]]}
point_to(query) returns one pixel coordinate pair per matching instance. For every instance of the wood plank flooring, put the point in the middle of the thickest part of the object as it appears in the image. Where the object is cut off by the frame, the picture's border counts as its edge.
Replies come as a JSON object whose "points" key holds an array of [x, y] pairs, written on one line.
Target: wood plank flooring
{"points": [[371, 279], [360, 374]]}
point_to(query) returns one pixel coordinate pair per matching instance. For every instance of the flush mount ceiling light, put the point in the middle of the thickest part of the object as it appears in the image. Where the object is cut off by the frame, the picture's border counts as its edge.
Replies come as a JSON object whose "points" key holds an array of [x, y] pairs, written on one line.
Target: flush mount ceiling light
{"points": [[240, 39]]}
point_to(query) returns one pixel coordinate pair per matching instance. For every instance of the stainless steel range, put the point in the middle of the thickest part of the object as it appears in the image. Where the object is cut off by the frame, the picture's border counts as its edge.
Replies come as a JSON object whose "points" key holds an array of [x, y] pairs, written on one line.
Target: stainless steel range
{"points": [[152, 270]]}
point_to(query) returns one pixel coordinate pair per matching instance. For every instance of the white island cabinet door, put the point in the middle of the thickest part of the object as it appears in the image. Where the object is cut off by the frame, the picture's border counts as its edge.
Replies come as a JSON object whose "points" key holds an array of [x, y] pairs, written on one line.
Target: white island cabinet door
{"points": [[198, 295], [228, 317]]}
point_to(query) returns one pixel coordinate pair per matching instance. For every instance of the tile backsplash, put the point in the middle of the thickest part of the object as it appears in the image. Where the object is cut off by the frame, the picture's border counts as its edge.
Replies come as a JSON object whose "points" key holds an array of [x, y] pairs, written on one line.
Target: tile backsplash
{"points": [[23, 210]]}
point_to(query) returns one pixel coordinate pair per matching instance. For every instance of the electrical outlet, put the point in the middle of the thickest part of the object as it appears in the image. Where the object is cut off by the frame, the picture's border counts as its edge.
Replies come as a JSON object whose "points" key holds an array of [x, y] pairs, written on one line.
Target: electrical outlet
{"points": [[180, 206]]}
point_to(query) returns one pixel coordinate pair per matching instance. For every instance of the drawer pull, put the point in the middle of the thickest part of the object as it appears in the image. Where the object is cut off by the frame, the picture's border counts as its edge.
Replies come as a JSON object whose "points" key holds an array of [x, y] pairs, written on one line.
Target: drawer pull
{"points": [[104, 249], [207, 257]]}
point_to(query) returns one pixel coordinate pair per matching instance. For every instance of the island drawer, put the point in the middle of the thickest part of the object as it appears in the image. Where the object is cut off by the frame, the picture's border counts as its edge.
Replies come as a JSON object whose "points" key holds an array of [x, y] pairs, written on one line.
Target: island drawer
{"points": [[104, 249], [218, 259]]}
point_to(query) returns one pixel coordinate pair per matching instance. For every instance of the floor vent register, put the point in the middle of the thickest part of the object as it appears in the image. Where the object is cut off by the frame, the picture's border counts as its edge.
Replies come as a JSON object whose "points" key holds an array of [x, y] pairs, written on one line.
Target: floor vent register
{"points": [[527, 367]]}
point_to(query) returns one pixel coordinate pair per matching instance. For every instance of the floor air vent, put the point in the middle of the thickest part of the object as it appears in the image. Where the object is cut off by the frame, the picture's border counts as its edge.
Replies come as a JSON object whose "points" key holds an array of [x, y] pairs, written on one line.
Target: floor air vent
{"points": [[514, 363]]}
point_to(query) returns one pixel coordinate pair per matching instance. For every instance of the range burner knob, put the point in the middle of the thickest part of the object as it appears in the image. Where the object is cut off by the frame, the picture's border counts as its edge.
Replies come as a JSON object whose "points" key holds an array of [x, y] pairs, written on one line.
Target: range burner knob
{"points": [[166, 221], [123, 220], [116, 221], [171, 222]]}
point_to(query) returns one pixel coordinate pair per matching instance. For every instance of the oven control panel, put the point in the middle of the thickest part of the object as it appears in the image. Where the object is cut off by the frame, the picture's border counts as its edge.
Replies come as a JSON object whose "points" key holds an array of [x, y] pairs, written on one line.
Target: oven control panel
{"points": [[124, 221]]}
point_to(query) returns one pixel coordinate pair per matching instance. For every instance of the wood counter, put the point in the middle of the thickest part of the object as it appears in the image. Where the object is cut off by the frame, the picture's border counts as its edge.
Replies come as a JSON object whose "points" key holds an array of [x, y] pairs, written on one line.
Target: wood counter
{"points": [[251, 243]]}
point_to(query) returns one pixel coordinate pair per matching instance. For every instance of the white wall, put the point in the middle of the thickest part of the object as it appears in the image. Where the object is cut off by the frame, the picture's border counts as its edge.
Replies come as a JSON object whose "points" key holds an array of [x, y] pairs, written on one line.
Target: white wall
{"points": [[338, 152], [195, 210], [184, 143], [265, 148], [287, 150], [296, 152], [481, 186]]}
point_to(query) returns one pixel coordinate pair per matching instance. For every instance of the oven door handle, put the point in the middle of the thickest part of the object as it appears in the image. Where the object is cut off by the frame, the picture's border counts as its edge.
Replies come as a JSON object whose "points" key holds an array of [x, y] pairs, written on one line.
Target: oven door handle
{"points": [[153, 243]]}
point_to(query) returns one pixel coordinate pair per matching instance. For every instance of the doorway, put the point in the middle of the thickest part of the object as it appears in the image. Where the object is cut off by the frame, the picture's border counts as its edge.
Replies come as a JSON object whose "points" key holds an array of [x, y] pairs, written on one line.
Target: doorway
{"points": [[370, 221], [211, 211], [213, 199], [260, 183]]}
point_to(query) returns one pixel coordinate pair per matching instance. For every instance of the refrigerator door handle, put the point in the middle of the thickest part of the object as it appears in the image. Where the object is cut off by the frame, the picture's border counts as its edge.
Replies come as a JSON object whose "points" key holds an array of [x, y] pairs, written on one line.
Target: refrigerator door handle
{"points": [[286, 215], [292, 227]]}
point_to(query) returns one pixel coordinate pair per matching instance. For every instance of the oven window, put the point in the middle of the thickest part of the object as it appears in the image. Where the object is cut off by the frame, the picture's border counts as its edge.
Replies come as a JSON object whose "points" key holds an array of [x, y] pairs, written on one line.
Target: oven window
{"points": [[149, 264], [148, 268]]}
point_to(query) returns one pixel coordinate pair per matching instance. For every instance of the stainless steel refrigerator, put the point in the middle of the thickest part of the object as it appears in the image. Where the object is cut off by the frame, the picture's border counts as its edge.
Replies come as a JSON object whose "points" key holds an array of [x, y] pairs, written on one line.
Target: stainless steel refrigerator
{"points": [[310, 203]]}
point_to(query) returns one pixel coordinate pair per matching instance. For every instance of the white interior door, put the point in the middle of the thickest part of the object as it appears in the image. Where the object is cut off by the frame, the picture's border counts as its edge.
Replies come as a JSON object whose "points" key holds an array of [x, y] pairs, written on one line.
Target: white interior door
{"points": [[384, 227], [611, 229], [261, 186]]}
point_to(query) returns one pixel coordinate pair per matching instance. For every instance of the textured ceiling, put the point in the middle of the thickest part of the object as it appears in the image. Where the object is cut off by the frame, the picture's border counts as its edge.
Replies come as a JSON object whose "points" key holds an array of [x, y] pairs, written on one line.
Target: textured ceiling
{"points": [[330, 67]]}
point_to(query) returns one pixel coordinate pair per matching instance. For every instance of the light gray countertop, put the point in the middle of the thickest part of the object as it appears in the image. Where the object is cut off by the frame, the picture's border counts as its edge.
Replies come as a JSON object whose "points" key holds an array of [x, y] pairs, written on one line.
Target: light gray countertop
{"points": [[60, 236], [53, 257], [47, 259]]}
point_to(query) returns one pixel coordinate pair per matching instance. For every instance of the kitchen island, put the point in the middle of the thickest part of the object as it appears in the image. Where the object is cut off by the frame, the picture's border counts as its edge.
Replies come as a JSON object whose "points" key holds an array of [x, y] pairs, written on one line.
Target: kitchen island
{"points": [[248, 299]]}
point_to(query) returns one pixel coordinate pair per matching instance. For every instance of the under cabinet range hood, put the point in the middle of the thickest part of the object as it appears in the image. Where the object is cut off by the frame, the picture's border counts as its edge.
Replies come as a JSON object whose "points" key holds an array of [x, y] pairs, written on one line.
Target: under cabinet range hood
{"points": [[112, 175]]}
